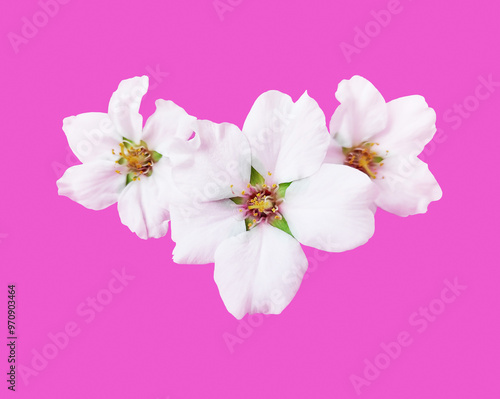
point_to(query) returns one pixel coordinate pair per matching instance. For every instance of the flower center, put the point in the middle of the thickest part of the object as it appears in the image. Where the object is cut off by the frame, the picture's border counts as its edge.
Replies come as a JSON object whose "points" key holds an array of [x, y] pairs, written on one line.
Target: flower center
{"points": [[138, 158], [363, 158], [260, 203]]}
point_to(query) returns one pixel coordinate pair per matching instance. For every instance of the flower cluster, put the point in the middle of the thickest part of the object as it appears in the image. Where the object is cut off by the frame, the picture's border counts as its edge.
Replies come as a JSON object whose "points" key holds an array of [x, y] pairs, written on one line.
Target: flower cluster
{"points": [[247, 199]]}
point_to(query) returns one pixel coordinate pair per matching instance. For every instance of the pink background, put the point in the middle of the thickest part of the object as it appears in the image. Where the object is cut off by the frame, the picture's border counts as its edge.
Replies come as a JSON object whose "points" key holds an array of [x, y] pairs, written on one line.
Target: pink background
{"points": [[163, 336]]}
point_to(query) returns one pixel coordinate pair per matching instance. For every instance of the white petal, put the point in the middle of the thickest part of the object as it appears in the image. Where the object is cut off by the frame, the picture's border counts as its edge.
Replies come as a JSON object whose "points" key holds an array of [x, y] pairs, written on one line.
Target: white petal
{"points": [[334, 154], [219, 158], [91, 136], [410, 127], [288, 139], [169, 122], [143, 204], [95, 185], [331, 210], [361, 114], [124, 107], [259, 271], [198, 231], [406, 186]]}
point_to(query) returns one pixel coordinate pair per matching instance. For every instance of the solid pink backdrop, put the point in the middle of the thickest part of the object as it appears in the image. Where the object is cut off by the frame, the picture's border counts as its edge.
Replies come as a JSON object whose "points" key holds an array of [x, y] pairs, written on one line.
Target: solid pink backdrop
{"points": [[166, 333]]}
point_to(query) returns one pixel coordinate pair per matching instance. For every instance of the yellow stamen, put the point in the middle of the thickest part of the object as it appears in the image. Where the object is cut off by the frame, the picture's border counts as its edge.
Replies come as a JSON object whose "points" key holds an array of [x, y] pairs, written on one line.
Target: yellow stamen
{"points": [[260, 205], [364, 164]]}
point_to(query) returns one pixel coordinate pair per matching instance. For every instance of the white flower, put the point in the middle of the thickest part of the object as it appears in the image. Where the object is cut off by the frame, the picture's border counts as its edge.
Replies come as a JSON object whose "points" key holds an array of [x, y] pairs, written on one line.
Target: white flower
{"points": [[254, 197], [383, 140], [124, 163]]}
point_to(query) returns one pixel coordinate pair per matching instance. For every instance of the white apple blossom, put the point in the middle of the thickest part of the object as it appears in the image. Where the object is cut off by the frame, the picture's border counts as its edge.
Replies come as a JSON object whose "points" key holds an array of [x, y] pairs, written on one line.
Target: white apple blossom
{"points": [[124, 163], [252, 198], [383, 140]]}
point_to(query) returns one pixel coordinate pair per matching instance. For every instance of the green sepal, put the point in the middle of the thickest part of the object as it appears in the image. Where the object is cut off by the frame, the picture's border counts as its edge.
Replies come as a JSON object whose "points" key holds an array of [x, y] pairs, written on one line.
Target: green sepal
{"points": [[256, 178], [122, 161], [281, 224], [247, 222], [143, 143], [237, 200], [130, 178], [282, 189], [346, 150], [378, 159], [127, 144], [155, 155], [150, 172], [127, 140]]}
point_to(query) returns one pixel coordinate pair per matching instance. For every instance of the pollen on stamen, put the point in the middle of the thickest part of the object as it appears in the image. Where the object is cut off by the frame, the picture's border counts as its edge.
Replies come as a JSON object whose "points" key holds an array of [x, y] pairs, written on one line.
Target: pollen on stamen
{"points": [[117, 171], [248, 185], [243, 192], [264, 186], [113, 151], [269, 173], [274, 185]]}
